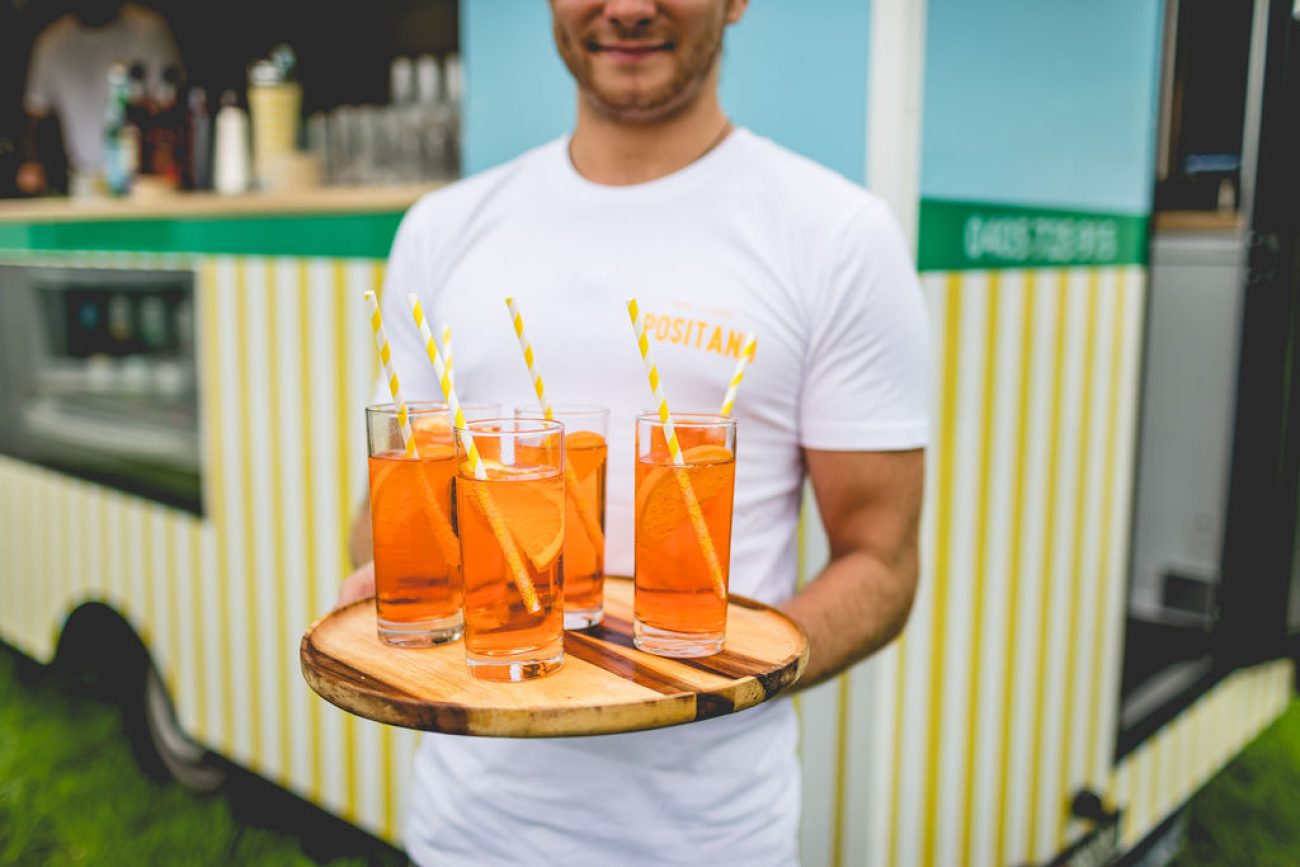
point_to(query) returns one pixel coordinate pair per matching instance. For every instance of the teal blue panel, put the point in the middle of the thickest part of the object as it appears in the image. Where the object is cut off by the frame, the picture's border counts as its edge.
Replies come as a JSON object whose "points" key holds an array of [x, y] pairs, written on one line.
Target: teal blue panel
{"points": [[1042, 102], [794, 70]]}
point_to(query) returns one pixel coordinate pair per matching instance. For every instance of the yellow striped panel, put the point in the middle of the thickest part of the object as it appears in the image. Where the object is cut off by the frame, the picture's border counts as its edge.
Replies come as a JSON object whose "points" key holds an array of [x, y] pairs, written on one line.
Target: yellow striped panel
{"points": [[946, 470], [342, 298], [983, 532], [1158, 776], [1083, 474], [212, 283]]}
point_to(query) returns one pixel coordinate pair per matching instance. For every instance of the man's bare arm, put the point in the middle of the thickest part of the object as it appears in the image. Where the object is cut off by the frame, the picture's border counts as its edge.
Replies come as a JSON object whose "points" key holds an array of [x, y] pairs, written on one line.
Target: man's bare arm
{"points": [[870, 503], [31, 171], [361, 583], [360, 545]]}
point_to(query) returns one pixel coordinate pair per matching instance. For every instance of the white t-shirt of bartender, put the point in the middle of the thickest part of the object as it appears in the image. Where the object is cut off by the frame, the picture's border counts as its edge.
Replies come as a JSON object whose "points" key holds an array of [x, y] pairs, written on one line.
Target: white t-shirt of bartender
{"points": [[750, 237]]}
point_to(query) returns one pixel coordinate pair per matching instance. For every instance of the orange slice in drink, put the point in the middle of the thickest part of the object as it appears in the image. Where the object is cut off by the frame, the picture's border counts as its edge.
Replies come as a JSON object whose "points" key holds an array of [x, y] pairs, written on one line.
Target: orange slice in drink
{"points": [[384, 470], [661, 505], [535, 515], [708, 453], [429, 431], [436, 451]]}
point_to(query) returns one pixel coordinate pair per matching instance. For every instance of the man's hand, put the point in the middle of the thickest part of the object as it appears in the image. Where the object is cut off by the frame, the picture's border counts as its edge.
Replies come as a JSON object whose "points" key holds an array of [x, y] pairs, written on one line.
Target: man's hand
{"points": [[870, 503], [359, 585], [31, 178]]}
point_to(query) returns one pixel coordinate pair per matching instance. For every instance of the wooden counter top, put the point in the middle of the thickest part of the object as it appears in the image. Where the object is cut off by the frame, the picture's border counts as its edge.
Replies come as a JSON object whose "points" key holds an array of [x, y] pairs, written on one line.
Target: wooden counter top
{"points": [[323, 200], [1197, 221]]}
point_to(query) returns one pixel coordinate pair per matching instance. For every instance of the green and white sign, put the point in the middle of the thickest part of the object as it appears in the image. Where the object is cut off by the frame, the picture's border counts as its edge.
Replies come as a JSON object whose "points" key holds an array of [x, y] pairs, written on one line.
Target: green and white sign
{"points": [[963, 236]]}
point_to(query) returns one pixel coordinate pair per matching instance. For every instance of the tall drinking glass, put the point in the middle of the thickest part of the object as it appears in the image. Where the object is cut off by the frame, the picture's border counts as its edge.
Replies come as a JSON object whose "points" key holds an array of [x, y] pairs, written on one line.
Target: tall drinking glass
{"points": [[585, 452], [417, 557], [683, 534], [510, 516]]}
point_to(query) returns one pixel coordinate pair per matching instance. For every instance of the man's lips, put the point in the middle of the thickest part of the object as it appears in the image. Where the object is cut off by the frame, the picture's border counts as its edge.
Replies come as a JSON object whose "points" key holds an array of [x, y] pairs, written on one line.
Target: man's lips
{"points": [[629, 52]]}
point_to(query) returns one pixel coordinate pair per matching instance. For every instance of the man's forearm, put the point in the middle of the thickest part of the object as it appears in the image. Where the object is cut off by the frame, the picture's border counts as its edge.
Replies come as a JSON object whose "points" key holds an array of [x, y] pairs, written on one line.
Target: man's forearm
{"points": [[855, 606], [360, 545]]}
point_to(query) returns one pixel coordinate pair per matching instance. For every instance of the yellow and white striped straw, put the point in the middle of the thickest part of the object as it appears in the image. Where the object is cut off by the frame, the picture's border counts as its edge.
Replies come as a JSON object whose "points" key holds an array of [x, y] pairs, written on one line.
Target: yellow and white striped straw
{"points": [[446, 353], [656, 387], [448, 389], [746, 356], [675, 450], [490, 511], [530, 360], [590, 523], [394, 387]]}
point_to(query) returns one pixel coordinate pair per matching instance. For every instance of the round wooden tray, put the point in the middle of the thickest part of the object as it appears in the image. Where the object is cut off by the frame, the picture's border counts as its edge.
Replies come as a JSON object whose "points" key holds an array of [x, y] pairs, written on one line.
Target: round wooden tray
{"points": [[606, 685]]}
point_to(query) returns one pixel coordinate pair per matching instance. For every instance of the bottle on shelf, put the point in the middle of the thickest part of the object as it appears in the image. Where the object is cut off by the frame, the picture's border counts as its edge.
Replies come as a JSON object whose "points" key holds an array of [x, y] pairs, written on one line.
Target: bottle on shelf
{"points": [[121, 135]]}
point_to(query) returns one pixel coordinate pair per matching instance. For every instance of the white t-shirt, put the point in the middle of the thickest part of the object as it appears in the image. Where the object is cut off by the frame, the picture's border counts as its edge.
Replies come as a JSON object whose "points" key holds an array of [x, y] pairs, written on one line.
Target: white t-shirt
{"points": [[69, 74], [750, 237]]}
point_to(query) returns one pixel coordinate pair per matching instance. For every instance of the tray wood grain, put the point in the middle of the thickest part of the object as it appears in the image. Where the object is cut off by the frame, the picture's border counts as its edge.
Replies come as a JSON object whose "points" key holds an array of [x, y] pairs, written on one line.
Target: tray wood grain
{"points": [[606, 685]]}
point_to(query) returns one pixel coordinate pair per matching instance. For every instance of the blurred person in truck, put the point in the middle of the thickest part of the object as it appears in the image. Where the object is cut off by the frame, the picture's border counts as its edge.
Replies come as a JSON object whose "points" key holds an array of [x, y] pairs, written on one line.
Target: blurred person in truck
{"points": [[68, 79]]}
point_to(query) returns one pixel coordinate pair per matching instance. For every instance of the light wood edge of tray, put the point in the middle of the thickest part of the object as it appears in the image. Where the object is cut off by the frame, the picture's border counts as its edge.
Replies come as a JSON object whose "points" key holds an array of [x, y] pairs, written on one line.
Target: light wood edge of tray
{"points": [[410, 712]]}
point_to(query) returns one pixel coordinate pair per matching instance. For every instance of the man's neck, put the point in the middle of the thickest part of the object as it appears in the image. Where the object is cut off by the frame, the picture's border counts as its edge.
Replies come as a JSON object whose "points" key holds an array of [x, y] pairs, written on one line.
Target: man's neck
{"points": [[607, 151]]}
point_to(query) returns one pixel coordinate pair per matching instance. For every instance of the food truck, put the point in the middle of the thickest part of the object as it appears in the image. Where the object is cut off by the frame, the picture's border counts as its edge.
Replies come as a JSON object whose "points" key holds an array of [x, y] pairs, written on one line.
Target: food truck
{"points": [[1110, 591]]}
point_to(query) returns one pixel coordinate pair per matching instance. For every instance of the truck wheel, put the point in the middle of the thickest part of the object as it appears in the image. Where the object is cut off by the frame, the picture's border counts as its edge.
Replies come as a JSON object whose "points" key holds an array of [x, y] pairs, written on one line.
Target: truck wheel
{"points": [[100, 651], [170, 748]]}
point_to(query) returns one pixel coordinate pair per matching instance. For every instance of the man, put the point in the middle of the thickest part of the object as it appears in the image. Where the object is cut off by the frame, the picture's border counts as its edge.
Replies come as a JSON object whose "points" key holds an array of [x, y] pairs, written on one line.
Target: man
{"points": [[717, 232], [68, 78]]}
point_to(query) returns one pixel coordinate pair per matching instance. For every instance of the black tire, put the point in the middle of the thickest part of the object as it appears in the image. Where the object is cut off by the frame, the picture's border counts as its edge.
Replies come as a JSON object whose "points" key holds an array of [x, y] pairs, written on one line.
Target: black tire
{"points": [[101, 651], [170, 749]]}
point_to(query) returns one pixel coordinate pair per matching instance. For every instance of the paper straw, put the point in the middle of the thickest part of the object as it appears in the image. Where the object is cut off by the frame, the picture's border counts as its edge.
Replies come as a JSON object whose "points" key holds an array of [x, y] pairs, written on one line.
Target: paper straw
{"points": [[394, 388], [675, 450], [489, 508], [746, 356], [446, 353], [590, 524], [446, 538], [530, 361]]}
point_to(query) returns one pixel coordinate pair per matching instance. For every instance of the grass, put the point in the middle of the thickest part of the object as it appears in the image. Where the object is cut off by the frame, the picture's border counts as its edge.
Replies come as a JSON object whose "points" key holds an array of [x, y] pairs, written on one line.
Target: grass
{"points": [[1250, 812], [71, 792]]}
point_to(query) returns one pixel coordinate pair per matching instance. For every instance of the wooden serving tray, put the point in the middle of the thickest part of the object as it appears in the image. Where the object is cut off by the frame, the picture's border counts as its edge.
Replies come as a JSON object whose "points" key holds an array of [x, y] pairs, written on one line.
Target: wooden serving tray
{"points": [[606, 685]]}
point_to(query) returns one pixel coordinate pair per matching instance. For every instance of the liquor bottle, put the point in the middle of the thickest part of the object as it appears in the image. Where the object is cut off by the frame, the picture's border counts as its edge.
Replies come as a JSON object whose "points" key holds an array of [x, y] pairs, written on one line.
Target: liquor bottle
{"points": [[163, 139], [199, 138], [121, 137]]}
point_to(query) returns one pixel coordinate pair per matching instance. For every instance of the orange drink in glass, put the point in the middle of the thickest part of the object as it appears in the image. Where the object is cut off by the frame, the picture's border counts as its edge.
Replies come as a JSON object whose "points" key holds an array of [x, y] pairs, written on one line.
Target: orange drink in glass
{"points": [[417, 557], [585, 452], [683, 534], [510, 518]]}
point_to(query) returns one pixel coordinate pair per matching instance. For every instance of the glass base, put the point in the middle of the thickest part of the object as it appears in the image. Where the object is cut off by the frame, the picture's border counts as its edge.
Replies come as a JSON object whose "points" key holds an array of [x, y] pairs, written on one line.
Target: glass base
{"points": [[583, 617], [665, 642], [422, 633], [513, 669]]}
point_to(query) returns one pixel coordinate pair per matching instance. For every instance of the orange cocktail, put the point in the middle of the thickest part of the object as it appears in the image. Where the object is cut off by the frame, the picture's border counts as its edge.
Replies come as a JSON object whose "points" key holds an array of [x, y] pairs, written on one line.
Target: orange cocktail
{"points": [[585, 453], [417, 558], [683, 534], [510, 515]]}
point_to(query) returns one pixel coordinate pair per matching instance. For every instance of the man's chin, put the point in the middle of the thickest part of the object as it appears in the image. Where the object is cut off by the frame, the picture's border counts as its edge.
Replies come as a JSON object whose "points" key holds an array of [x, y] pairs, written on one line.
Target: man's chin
{"points": [[637, 108]]}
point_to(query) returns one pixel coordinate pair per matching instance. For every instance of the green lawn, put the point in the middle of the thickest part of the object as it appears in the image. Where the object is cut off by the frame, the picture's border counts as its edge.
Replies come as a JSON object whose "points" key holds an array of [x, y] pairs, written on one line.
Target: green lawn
{"points": [[71, 792], [1250, 813]]}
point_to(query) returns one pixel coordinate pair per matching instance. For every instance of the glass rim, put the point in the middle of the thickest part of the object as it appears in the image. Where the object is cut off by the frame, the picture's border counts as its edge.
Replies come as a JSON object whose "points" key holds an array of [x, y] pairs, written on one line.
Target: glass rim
{"points": [[570, 409], [535, 426], [688, 419], [421, 407]]}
